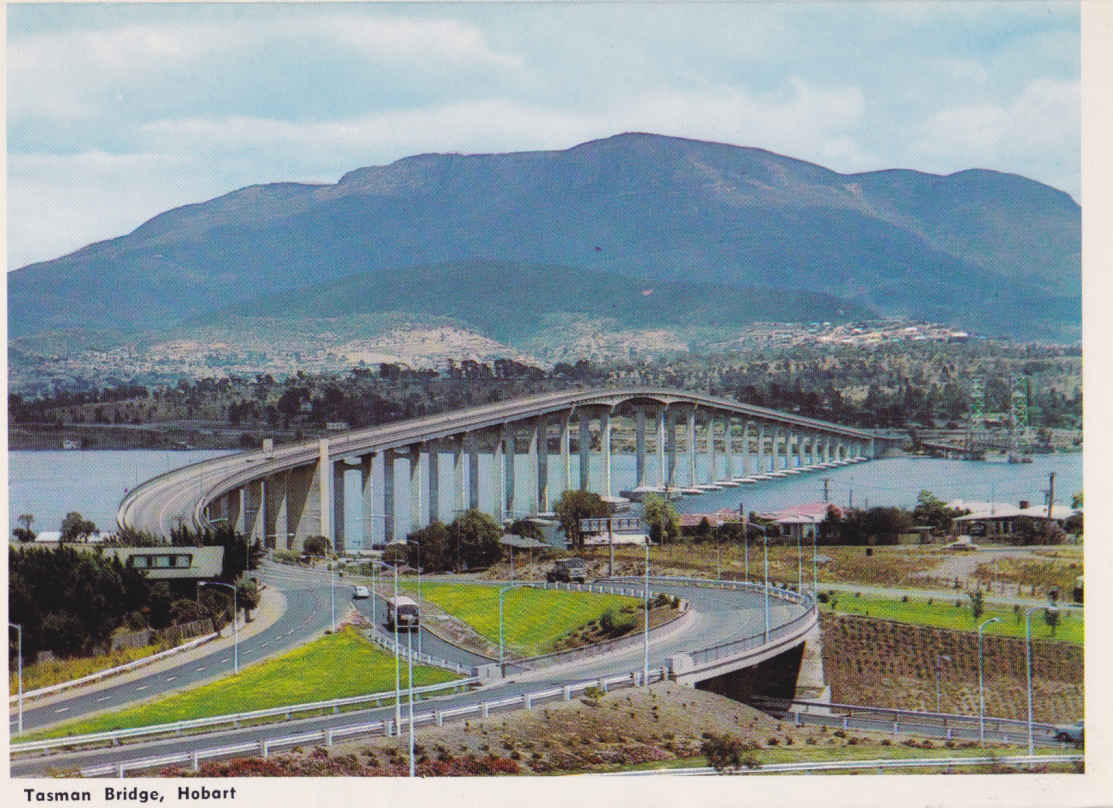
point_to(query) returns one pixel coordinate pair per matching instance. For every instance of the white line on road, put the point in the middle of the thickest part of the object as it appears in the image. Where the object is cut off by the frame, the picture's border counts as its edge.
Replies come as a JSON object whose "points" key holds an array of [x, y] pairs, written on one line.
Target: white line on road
{"points": [[142, 687], [201, 668], [225, 659], [61, 709], [104, 698], [171, 678]]}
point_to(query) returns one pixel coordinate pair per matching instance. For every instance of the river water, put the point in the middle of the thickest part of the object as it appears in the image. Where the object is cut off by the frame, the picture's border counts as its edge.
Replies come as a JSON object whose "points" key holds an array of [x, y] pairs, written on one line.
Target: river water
{"points": [[49, 484]]}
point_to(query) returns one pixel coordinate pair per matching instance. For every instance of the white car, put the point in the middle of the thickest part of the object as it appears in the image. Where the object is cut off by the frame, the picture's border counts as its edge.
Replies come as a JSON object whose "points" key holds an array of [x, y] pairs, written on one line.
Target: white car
{"points": [[361, 592]]}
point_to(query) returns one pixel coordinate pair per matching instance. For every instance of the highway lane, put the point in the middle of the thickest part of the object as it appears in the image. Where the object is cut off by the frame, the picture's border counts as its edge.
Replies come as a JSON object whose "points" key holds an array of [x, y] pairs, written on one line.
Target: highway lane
{"points": [[720, 615], [307, 613]]}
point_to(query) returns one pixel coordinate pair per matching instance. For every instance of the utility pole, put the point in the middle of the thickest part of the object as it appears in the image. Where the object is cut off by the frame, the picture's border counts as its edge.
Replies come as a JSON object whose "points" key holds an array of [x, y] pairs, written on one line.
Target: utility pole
{"points": [[826, 481]]}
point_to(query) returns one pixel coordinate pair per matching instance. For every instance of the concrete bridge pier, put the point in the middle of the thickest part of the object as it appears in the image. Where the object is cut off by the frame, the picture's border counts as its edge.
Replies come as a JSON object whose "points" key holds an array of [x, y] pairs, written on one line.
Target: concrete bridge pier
{"points": [[509, 454], [339, 537], [540, 446], [761, 466], [433, 462], [639, 447], [692, 481], [459, 478], [388, 496], [745, 448], [414, 454], [728, 431], [473, 470], [367, 498], [671, 449], [605, 451], [659, 416], [712, 450], [584, 448], [498, 476], [565, 452], [799, 450]]}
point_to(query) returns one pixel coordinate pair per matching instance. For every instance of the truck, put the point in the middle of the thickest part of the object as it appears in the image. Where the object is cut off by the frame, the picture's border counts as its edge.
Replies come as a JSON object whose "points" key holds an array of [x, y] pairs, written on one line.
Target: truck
{"points": [[568, 570], [402, 614]]}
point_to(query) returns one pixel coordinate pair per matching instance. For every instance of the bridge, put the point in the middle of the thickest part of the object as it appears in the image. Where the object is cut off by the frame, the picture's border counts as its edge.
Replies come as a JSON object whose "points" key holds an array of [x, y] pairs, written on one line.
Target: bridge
{"points": [[282, 497]]}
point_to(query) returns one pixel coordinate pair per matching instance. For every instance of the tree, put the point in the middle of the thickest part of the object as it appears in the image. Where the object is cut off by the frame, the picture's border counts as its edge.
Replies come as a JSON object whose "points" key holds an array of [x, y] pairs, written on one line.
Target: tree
{"points": [[977, 604], [247, 597], [1051, 617], [662, 519], [479, 538], [75, 528], [933, 511], [434, 554], [575, 505], [528, 529], [316, 546], [1075, 502], [24, 534]]}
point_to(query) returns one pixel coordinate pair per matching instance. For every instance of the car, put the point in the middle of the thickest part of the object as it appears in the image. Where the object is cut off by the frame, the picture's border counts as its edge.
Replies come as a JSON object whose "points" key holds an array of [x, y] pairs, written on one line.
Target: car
{"points": [[361, 592], [961, 545], [568, 570], [1071, 733]]}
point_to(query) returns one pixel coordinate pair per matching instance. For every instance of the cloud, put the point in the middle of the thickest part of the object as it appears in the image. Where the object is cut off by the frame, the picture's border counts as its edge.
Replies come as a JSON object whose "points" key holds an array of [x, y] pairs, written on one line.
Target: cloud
{"points": [[73, 74], [1038, 129]]}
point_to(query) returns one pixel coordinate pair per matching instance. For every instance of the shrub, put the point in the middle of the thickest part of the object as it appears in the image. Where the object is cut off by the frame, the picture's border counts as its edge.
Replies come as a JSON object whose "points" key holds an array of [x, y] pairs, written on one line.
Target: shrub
{"points": [[726, 752], [823, 597]]}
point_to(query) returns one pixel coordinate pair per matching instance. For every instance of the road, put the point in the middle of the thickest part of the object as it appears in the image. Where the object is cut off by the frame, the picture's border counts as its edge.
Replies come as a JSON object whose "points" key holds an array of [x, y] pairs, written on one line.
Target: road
{"points": [[307, 613], [719, 615]]}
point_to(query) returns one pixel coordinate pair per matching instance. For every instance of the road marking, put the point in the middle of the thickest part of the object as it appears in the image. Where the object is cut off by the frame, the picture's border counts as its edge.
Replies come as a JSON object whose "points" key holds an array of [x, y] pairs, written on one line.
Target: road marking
{"points": [[201, 668], [263, 645], [104, 698], [225, 659], [61, 709], [142, 687], [171, 678]]}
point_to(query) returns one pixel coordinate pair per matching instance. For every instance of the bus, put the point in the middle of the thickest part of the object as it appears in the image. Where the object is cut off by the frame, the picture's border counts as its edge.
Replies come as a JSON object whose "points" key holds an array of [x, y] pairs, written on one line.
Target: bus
{"points": [[402, 614]]}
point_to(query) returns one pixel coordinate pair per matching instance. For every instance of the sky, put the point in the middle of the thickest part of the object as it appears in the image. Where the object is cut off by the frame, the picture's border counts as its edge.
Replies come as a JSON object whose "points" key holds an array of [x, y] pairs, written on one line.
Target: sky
{"points": [[116, 113]]}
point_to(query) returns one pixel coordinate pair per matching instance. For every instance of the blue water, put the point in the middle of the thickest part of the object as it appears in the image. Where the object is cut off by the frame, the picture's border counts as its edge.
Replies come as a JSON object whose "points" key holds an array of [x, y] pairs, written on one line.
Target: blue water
{"points": [[49, 484]]}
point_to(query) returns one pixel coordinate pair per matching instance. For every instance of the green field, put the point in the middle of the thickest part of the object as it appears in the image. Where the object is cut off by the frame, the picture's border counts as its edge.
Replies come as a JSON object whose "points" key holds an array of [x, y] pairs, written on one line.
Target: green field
{"points": [[44, 674], [533, 619], [944, 614], [333, 667]]}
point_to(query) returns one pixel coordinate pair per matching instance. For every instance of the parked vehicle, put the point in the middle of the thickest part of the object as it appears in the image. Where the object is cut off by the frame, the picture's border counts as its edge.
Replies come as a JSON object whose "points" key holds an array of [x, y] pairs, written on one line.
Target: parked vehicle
{"points": [[361, 592], [568, 570], [402, 614], [1071, 733]]}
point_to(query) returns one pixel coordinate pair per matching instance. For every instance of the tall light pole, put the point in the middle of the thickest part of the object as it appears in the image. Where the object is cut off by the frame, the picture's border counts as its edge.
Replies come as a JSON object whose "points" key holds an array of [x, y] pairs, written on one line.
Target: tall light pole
{"points": [[502, 591], [1028, 660], [765, 545], [410, 655], [799, 563], [1052, 607], [19, 654], [397, 650], [645, 635], [939, 659], [815, 566], [332, 591], [235, 623], [417, 544], [981, 684]]}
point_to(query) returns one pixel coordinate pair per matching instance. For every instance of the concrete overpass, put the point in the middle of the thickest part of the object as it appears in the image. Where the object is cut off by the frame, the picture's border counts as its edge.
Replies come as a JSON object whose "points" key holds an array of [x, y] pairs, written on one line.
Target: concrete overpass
{"points": [[283, 497]]}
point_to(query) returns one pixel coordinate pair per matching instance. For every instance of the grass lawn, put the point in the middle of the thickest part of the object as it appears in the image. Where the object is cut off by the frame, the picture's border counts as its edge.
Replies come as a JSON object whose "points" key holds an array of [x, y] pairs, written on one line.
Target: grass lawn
{"points": [[533, 619], [44, 674], [944, 614], [333, 667]]}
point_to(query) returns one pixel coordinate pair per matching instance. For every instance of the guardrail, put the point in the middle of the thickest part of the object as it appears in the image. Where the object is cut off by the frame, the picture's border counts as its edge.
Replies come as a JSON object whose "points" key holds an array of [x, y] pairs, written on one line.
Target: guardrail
{"points": [[846, 712], [235, 719], [852, 765], [389, 645], [92, 677], [483, 709]]}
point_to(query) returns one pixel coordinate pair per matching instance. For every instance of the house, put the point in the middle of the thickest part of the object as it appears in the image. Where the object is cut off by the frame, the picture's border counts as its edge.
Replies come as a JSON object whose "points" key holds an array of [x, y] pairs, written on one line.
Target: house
{"points": [[1002, 519], [800, 521]]}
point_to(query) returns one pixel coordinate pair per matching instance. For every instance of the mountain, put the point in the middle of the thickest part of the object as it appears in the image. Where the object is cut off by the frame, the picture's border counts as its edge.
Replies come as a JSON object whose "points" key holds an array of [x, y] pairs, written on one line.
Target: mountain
{"points": [[995, 253], [508, 300]]}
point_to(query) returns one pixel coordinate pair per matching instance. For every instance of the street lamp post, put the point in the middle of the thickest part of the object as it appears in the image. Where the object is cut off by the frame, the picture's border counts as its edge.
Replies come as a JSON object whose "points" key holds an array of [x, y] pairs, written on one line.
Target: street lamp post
{"points": [[332, 591], [397, 649], [502, 664], [1028, 655], [645, 634], [417, 544], [939, 659], [410, 655], [19, 655], [815, 566], [981, 685], [235, 623]]}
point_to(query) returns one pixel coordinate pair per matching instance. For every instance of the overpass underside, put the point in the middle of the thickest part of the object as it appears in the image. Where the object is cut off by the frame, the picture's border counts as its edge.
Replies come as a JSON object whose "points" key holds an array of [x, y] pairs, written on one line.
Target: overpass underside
{"points": [[776, 677], [694, 448]]}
